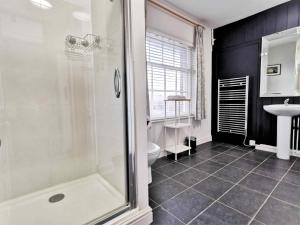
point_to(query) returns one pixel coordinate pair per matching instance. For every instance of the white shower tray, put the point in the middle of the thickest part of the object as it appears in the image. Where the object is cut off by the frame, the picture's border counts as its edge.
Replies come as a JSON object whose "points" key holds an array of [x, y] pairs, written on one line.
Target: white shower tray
{"points": [[85, 200]]}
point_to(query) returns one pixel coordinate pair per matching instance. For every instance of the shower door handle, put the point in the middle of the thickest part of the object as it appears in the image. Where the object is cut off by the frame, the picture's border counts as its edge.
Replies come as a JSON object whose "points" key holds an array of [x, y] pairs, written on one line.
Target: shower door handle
{"points": [[117, 83]]}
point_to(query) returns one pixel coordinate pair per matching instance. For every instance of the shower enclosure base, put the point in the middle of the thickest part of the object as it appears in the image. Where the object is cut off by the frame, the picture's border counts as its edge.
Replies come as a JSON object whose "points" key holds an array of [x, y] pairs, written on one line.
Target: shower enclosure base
{"points": [[84, 200]]}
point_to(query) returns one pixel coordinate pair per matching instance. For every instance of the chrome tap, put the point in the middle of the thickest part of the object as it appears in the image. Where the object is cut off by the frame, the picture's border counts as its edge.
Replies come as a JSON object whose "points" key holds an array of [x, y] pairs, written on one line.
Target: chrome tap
{"points": [[286, 102]]}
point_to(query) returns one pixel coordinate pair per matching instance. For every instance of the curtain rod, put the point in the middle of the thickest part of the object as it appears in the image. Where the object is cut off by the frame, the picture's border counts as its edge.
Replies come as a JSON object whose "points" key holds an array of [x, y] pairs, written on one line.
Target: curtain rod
{"points": [[167, 9]]}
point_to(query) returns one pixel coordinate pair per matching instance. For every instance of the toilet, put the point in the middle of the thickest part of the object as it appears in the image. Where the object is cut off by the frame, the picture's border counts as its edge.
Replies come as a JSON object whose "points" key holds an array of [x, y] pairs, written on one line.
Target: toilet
{"points": [[153, 154]]}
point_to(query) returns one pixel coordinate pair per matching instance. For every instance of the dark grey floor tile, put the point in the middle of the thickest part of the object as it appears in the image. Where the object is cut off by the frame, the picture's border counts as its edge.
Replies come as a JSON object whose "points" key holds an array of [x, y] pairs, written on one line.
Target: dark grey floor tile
{"points": [[230, 173], [279, 163], [288, 192], [207, 154], [191, 160], [255, 222], [292, 177], [180, 155], [219, 214], [165, 190], [237, 152], [224, 158], [152, 204], [190, 177], [230, 145], [276, 212], [244, 200], [207, 145], [221, 148], [245, 164], [213, 187], [161, 162], [296, 166], [258, 156], [171, 169], [162, 217], [157, 177], [259, 183], [270, 171], [187, 205], [209, 166]]}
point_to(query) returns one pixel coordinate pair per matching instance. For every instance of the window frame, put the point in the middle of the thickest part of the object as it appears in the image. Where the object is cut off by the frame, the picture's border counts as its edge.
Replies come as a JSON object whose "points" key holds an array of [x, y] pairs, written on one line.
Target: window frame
{"points": [[190, 72]]}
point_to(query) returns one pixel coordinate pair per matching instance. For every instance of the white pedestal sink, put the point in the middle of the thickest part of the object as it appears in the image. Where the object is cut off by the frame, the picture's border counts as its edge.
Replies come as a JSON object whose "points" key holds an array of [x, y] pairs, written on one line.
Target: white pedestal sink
{"points": [[284, 114]]}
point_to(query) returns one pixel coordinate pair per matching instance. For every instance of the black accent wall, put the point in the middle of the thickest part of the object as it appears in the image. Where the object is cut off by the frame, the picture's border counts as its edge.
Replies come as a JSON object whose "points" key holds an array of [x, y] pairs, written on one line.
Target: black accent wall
{"points": [[236, 53]]}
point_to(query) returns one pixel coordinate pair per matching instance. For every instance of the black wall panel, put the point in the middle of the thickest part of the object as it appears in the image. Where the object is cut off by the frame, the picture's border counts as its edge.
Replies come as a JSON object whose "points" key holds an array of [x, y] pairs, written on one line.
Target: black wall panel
{"points": [[236, 53]]}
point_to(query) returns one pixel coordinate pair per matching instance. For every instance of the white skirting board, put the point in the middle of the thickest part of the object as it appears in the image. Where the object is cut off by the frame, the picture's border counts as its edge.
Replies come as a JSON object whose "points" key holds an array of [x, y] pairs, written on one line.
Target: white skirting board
{"points": [[270, 148], [266, 148], [204, 140]]}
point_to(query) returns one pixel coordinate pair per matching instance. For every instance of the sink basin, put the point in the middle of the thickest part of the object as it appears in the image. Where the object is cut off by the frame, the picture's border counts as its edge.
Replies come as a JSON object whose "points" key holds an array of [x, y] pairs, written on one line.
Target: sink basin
{"points": [[284, 114], [283, 110]]}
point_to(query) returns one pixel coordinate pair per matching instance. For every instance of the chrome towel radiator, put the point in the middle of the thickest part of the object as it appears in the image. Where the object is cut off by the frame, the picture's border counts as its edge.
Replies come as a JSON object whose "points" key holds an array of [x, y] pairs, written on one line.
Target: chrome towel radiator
{"points": [[233, 105]]}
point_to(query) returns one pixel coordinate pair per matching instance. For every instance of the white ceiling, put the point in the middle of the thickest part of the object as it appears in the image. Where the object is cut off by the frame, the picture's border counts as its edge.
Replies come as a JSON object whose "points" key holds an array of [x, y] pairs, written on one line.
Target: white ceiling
{"points": [[216, 13]]}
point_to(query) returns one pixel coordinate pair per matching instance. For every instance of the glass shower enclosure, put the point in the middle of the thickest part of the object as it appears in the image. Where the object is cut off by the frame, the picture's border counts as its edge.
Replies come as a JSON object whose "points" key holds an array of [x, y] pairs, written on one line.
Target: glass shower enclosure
{"points": [[65, 155]]}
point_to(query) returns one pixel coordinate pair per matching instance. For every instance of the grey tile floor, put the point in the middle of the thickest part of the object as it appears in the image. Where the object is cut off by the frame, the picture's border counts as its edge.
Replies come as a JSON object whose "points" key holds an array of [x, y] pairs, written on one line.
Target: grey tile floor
{"points": [[223, 184]]}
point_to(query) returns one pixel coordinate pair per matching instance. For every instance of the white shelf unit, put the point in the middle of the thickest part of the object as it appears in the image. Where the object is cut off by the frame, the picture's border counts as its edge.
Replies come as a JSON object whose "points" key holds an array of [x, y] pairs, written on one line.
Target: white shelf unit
{"points": [[177, 124]]}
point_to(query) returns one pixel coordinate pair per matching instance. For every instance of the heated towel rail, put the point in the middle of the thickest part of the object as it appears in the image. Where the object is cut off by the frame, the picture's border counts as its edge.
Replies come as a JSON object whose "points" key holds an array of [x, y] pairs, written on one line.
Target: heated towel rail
{"points": [[233, 105]]}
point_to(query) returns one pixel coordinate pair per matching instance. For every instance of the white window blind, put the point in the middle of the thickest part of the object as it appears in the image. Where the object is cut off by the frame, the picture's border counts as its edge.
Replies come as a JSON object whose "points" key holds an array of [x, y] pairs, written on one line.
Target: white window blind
{"points": [[169, 72]]}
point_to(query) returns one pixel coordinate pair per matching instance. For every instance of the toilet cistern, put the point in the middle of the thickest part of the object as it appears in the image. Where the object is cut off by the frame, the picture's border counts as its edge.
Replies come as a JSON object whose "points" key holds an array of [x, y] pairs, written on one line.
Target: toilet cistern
{"points": [[284, 112]]}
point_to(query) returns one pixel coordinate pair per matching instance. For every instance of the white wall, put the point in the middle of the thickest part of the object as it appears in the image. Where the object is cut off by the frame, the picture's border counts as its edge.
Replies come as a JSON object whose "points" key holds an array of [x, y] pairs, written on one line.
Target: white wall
{"points": [[180, 30]]}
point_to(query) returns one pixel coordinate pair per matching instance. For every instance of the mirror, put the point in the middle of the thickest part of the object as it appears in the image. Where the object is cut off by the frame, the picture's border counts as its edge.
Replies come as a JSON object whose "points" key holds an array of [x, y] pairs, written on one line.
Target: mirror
{"points": [[280, 64]]}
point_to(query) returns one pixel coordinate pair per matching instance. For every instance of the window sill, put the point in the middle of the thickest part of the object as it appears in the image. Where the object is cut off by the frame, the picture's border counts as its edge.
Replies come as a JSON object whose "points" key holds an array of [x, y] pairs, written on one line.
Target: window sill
{"points": [[159, 120]]}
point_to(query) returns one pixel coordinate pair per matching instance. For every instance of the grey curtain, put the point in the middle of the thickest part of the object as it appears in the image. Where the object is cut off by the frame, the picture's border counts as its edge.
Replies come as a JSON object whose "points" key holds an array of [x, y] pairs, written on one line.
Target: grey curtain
{"points": [[199, 69]]}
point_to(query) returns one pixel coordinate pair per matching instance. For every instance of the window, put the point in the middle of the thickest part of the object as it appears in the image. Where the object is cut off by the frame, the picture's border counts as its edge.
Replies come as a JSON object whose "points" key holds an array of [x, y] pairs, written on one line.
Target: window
{"points": [[169, 72]]}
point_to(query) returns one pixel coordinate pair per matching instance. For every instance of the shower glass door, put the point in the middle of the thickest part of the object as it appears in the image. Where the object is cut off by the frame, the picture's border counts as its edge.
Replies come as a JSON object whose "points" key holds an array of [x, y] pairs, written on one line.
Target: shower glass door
{"points": [[63, 121]]}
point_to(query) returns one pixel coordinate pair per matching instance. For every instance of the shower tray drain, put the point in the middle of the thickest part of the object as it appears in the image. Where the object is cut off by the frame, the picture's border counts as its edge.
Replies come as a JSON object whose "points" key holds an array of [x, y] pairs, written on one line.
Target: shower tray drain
{"points": [[56, 198]]}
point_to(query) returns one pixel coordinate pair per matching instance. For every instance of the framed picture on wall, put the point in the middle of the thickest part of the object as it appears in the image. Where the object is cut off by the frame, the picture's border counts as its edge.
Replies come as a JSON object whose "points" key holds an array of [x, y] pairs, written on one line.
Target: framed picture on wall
{"points": [[274, 70]]}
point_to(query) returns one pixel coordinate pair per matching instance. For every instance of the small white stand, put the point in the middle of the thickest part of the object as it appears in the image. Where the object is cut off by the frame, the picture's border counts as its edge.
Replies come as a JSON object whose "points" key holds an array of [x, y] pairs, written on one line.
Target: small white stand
{"points": [[178, 148]]}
